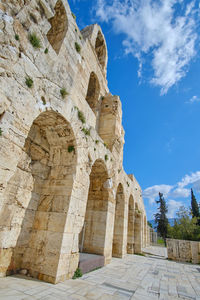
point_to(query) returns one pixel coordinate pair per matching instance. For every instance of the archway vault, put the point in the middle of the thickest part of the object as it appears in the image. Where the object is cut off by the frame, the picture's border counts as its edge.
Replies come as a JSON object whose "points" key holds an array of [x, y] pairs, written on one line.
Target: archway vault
{"points": [[40, 192], [96, 233]]}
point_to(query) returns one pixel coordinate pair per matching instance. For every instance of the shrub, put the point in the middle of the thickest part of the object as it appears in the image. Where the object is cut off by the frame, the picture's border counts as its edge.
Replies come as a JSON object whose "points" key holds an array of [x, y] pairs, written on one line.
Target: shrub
{"points": [[86, 131], [17, 37], [29, 82], [73, 15], [81, 116], [106, 157], [71, 149], [46, 50], [77, 47], [63, 92], [43, 100], [34, 40], [78, 273]]}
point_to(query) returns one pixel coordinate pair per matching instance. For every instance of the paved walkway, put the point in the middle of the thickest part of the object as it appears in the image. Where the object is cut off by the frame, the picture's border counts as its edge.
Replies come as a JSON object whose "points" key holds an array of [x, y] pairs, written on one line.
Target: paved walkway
{"points": [[156, 251], [135, 277]]}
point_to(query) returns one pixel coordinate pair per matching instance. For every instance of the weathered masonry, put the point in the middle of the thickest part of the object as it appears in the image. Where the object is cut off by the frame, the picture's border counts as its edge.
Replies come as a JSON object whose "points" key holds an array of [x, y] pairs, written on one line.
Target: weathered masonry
{"points": [[62, 183]]}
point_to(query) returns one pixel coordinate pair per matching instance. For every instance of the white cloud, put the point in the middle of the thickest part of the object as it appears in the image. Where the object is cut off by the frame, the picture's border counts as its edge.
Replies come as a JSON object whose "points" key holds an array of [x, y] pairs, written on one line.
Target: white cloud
{"points": [[179, 190], [194, 99], [180, 193], [189, 179], [156, 30], [173, 206], [152, 192]]}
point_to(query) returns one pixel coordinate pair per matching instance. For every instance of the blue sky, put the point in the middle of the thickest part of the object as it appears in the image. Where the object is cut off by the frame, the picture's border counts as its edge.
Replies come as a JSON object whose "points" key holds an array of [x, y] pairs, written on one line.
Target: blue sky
{"points": [[154, 66]]}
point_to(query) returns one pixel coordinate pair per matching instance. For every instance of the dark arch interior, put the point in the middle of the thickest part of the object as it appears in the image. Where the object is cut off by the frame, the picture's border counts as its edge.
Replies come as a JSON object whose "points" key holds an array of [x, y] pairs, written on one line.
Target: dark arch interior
{"points": [[100, 49], [59, 26]]}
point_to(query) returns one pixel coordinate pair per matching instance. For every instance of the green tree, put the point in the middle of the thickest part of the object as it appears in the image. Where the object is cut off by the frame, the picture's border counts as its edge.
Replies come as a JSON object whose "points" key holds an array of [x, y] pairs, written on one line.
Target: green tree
{"points": [[161, 217], [185, 227], [195, 207], [150, 225]]}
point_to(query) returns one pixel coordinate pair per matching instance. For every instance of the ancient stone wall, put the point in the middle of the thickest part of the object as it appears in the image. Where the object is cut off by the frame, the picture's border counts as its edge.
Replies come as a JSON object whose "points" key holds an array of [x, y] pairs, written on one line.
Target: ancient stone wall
{"points": [[185, 251], [61, 146]]}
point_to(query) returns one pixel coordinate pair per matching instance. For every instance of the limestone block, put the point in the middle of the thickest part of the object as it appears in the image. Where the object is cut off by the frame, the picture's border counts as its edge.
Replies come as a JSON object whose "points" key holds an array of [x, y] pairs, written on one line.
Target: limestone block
{"points": [[5, 259], [56, 222]]}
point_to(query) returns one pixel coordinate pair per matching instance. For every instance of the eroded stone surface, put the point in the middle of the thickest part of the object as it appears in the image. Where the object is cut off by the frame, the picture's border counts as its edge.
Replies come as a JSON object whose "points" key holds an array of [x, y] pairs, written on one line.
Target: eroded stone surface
{"points": [[61, 147]]}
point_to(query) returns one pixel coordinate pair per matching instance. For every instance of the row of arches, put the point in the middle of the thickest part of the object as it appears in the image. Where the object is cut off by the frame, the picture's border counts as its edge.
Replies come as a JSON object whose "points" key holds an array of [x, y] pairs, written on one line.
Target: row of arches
{"points": [[59, 27], [39, 206]]}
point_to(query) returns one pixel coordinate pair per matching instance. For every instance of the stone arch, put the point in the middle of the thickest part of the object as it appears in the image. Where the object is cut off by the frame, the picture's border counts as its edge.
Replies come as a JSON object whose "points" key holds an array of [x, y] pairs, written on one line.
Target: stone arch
{"points": [[93, 92], [118, 236], [59, 26], [100, 49], [137, 230], [131, 217], [96, 218], [40, 193]]}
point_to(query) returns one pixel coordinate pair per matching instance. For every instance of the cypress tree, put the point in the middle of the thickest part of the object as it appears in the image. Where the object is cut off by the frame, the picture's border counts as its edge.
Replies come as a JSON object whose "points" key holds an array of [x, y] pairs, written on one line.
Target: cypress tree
{"points": [[195, 207], [161, 217]]}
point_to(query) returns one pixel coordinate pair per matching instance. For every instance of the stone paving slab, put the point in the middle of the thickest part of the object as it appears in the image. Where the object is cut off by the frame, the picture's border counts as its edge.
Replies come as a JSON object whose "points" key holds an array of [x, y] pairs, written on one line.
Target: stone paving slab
{"points": [[133, 278]]}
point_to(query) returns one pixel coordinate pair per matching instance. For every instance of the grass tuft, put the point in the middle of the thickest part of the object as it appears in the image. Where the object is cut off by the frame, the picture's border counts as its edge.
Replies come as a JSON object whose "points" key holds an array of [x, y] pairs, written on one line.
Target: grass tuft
{"points": [[77, 47], [63, 92], [29, 82], [34, 40]]}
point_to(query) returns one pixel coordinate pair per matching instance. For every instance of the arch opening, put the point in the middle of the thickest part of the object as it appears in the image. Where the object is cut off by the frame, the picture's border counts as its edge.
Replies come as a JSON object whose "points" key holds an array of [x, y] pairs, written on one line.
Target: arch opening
{"points": [[59, 26], [100, 49], [93, 92], [93, 235], [40, 191], [118, 236], [131, 216]]}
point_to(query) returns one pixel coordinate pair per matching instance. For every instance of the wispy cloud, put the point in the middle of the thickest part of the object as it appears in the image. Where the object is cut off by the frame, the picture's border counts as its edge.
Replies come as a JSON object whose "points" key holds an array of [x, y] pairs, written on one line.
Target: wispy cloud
{"points": [[173, 206], [194, 99], [152, 192], [164, 31], [179, 190]]}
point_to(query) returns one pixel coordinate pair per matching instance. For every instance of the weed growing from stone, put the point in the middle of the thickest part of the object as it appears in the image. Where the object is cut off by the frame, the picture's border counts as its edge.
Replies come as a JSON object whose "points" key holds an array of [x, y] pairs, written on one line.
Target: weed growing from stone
{"points": [[63, 93], [77, 47], [128, 184], [1, 131], [17, 37], [86, 131], [43, 100], [106, 157], [73, 15], [81, 116], [34, 40], [29, 82], [78, 273], [71, 149], [46, 50], [97, 142]]}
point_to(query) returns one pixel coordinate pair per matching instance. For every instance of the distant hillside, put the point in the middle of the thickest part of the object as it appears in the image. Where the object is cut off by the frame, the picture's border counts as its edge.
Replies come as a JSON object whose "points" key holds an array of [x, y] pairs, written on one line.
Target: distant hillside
{"points": [[171, 222]]}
